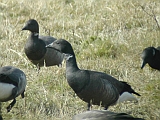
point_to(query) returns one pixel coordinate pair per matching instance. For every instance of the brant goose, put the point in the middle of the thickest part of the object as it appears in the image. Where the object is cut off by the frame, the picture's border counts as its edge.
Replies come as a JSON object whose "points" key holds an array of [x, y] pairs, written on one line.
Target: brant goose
{"points": [[91, 86], [35, 48], [12, 84]]}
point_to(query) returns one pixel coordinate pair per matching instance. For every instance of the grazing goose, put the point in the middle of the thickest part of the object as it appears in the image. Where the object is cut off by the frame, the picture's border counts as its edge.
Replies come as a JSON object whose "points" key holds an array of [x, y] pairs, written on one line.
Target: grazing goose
{"points": [[103, 115], [35, 48], [12, 84], [151, 56], [91, 86]]}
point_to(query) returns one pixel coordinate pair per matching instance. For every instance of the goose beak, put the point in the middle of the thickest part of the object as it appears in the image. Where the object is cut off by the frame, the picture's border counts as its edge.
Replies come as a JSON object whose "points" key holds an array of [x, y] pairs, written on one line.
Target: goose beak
{"points": [[25, 28], [143, 64]]}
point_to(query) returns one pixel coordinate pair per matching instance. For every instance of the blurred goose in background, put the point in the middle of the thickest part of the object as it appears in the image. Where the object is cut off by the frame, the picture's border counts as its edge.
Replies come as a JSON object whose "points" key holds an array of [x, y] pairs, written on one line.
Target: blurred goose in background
{"points": [[151, 56], [12, 84], [35, 48], [103, 115], [91, 86], [1, 118], [1, 111]]}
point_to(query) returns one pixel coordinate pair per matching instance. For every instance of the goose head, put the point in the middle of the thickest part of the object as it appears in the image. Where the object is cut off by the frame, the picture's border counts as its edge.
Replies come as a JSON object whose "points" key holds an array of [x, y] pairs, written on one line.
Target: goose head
{"points": [[32, 26], [147, 55], [62, 46]]}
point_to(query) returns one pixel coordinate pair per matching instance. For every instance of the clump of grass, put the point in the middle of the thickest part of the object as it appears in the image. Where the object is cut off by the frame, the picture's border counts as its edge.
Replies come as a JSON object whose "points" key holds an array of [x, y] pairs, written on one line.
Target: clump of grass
{"points": [[97, 47]]}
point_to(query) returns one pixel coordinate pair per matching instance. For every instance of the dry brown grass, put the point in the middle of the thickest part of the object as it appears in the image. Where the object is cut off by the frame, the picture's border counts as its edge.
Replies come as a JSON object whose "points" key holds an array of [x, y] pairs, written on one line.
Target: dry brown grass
{"points": [[107, 36]]}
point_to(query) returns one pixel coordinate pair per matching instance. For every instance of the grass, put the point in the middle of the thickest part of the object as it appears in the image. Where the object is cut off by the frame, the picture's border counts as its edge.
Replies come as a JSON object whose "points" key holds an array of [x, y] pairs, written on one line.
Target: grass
{"points": [[107, 36]]}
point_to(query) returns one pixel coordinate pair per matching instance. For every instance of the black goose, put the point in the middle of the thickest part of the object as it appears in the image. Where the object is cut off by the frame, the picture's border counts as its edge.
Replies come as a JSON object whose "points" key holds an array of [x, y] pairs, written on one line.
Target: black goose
{"points": [[91, 86], [12, 84], [151, 56], [35, 48], [103, 115]]}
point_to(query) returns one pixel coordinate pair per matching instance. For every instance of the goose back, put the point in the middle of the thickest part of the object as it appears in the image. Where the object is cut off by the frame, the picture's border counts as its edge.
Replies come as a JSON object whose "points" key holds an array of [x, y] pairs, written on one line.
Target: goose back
{"points": [[103, 115]]}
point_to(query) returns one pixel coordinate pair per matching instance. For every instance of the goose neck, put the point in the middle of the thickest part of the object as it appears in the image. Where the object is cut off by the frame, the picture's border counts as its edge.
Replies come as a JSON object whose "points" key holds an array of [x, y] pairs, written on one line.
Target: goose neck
{"points": [[34, 36], [71, 64]]}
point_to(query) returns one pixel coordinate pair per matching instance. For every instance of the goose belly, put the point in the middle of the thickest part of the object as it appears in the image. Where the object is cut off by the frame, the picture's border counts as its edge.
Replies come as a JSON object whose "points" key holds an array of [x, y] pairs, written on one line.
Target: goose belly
{"points": [[98, 98], [5, 91]]}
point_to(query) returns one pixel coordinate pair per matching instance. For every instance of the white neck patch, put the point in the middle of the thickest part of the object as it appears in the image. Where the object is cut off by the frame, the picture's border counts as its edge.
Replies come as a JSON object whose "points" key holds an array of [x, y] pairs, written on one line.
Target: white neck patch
{"points": [[36, 34], [67, 56]]}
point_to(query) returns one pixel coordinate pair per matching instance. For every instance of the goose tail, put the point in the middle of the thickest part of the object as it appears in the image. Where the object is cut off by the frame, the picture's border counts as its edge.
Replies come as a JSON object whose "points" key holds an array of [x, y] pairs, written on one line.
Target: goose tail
{"points": [[127, 94], [127, 88]]}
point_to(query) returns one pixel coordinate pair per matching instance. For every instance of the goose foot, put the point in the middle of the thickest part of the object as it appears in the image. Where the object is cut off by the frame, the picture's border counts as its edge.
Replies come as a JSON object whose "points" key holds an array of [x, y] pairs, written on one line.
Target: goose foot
{"points": [[88, 106], [105, 108]]}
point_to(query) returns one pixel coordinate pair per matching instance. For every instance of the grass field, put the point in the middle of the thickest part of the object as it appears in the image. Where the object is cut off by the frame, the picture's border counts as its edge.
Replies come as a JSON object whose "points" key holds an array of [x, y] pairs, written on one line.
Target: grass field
{"points": [[107, 36]]}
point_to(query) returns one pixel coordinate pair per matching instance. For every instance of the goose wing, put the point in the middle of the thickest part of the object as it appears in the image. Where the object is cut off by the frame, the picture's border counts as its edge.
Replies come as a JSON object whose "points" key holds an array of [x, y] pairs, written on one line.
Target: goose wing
{"points": [[47, 39], [98, 90], [11, 75]]}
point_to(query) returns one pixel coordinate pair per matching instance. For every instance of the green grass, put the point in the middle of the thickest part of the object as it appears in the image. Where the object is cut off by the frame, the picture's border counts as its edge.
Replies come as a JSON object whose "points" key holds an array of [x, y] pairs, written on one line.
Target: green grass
{"points": [[107, 36]]}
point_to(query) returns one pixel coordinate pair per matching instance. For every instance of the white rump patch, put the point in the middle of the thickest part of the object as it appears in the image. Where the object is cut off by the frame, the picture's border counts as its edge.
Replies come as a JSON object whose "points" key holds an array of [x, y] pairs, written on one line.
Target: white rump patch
{"points": [[67, 56], [126, 96], [5, 90]]}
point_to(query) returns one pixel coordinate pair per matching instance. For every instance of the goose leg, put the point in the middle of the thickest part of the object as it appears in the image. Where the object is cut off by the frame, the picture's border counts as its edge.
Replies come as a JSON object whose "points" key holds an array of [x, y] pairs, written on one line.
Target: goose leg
{"points": [[38, 68], [106, 107], [11, 105], [88, 106]]}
